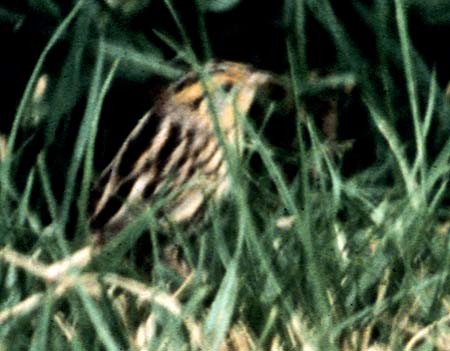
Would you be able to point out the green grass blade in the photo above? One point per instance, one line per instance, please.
(219, 318)
(431, 105)
(5, 170)
(46, 187)
(203, 30)
(79, 151)
(185, 38)
(25, 200)
(144, 62)
(408, 66)
(35, 75)
(395, 145)
(98, 320)
(40, 337)
(303, 224)
(90, 147)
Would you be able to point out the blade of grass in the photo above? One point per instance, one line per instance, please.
(425, 126)
(79, 151)
(300, 38)
(207, 50)
(219, 317)
(47, 188)
(438, 196)
(25, 200)
(5, 178)
(90, 147)
(324, 13)
(98, 321)
(112, 254)
(29, 90)
(40, 336)
(440, 167)
(171, 43)
(405, 45)
(394, 143)
(145, 61)
(184, 37)
(303, 224)
(320, 153)
(67, 85)
(373, 311)
(432, 96)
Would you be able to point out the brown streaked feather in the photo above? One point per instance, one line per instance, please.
(174, 148)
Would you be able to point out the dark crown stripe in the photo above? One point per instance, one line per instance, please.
(138, 144)
(184, 82)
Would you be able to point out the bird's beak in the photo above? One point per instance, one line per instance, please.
(271, 85)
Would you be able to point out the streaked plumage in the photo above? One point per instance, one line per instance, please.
(174, 148)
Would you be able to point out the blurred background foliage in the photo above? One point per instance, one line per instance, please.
(349, 64)
(356, 37)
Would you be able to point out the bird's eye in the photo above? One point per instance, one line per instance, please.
(227, 86)
(196, 103)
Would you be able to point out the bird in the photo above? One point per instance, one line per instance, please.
(177, 148)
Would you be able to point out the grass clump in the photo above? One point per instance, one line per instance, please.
(307, 259)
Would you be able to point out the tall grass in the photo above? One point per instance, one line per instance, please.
(364, 260)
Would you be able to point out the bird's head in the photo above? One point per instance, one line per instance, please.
(221, 90)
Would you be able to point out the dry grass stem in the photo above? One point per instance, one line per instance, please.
(382, 288)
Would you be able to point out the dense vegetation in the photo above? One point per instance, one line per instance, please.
(336, 233)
